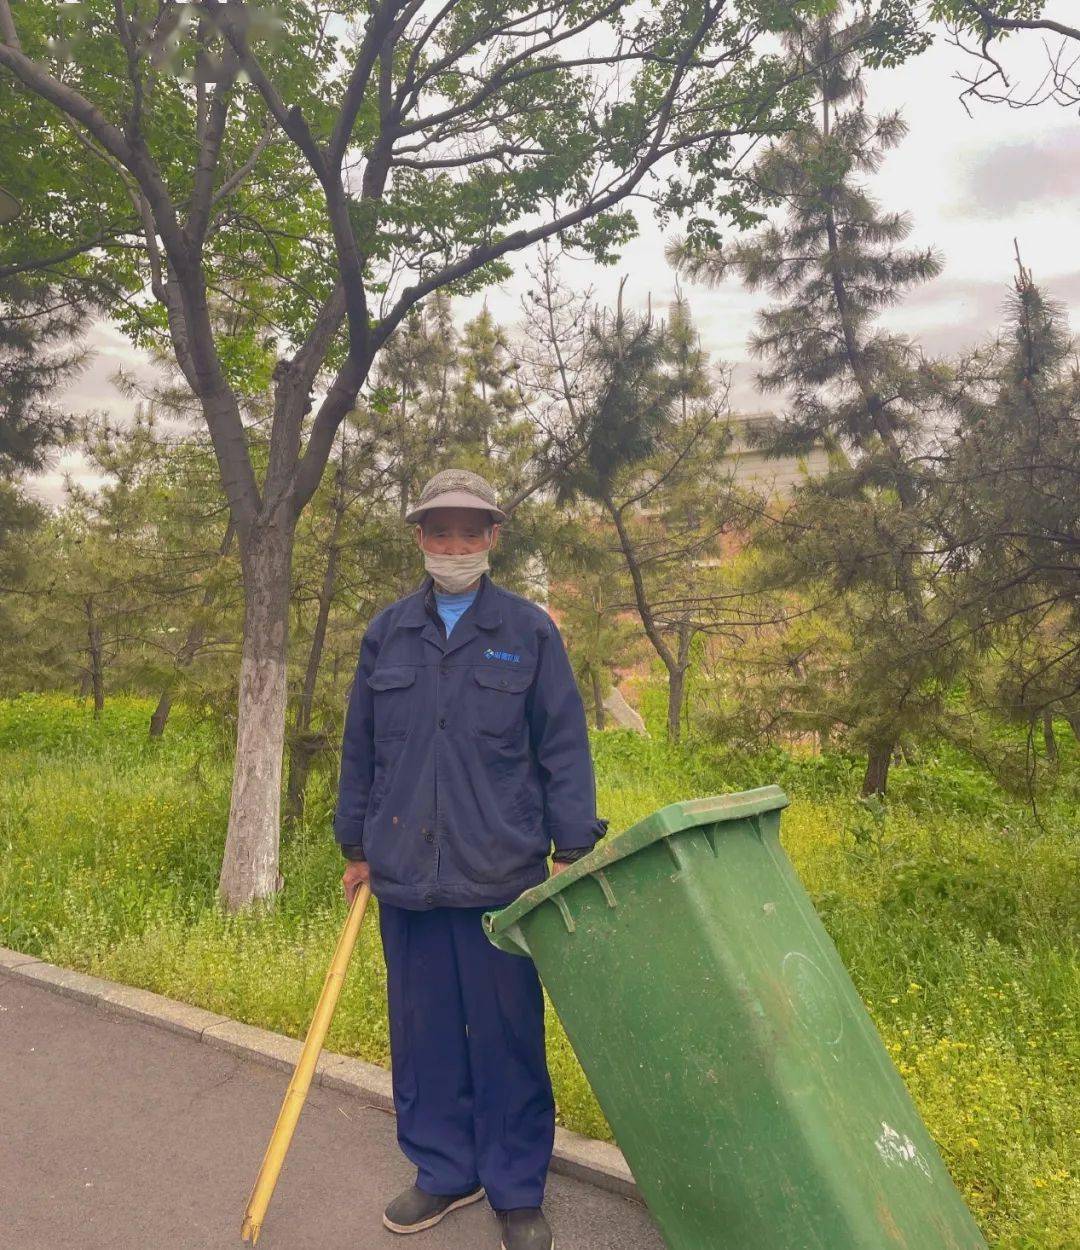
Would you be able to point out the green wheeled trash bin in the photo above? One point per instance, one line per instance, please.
(743, 1078)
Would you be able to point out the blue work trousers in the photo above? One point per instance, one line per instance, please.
(471, 1085)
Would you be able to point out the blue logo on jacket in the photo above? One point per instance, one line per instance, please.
(489, 654)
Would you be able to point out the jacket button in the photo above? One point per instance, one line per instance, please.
(429, 837)
(442, 722)
(443, 671)
(429, 899)
(503, 682)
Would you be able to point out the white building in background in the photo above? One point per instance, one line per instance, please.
(777, 477)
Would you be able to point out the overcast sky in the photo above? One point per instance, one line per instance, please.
(971, 184)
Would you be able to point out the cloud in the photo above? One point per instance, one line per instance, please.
(956, 314)
(1007, 177)
(48, 487)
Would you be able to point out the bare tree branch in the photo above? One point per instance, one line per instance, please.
(206, 166)
(995, 22)
(236, 178)
(65, 98)
(382, 31)
(8, 33)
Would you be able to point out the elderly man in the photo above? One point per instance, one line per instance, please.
(465, 760)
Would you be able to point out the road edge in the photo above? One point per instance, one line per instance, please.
(581, 1158)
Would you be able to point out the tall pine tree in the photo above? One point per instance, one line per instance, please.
(40, 327)
(833, 262)
(1011, 525)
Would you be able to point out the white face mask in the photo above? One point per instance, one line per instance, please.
(456, 573)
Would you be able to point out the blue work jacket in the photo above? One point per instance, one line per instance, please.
(464, 759)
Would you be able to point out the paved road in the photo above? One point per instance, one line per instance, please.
(116, 1135)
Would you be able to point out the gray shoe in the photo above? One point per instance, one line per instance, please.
(525, 1229)
(415, 1210)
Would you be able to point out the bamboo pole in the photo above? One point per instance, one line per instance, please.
(289, 1114)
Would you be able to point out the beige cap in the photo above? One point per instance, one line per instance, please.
(456, 488)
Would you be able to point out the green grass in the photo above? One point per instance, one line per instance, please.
(954, 908)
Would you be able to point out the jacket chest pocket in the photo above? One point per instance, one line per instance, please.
(393, 700)
(498, 698)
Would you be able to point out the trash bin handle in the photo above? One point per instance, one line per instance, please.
(511, 939)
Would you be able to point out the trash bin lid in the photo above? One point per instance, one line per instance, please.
(664, 822)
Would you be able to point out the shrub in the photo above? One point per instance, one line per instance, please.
(954, 908)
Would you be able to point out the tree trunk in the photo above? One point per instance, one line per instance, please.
(1048, 737)
(676, 694)
(675, 665)
(160, 716)
(305, 746)
(877, 769)
(86, 684)
(303, 750)
(1073, 719)
(97, 675)
(249, 868)
(598, 695)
